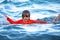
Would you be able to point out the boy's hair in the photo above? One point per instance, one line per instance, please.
(25, 12)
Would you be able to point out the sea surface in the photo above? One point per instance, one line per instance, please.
(45, 10)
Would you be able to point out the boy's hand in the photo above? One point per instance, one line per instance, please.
(5, 15)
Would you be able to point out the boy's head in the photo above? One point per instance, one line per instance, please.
(25, 15)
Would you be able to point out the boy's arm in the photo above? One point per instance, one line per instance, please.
(10, 20)
(41, 22)
(56, 18)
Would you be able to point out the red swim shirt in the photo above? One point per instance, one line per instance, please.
(27, 22)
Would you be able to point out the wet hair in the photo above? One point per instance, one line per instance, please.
(25, 12)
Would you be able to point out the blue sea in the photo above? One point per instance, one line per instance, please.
(45, 10)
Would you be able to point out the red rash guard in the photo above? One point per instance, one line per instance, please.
(27, 22)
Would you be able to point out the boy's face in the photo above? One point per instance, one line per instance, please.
(26, 17)
(59, 15)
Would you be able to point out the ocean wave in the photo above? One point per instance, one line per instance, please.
(22, 31)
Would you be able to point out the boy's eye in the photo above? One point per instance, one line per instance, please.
(26, 16)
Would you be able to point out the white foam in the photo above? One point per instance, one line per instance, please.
(1, 1)
(19, 0)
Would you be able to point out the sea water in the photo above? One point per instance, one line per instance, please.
(45, 10)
